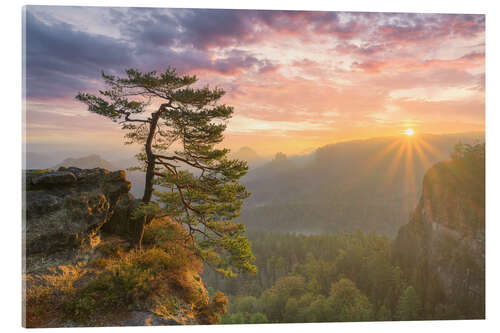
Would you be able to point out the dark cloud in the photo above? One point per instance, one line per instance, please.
(196, 28)
(474, 56)
(204, 29)
(412, 28)
(60, 59)
(466, 25)
(208, 28)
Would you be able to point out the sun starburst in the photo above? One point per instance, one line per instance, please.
(409, 132)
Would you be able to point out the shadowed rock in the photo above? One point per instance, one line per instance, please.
(442, 248)
(65, 207)
(122, 223)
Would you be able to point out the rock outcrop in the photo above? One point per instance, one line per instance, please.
(82, 266)
(442, 248)
(63, 208)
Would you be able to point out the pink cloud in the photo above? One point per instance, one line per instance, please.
(322, 75)
(425, 28)
(468, 61)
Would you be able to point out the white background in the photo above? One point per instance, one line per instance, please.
(10, 175)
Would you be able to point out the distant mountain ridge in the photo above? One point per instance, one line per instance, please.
(371, 184)
(86, 162)
(247, 154)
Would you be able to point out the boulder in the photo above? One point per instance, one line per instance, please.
(57, 178)
(63, 208)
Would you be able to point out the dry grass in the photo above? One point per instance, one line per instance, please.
(163, 278)
(44, 293)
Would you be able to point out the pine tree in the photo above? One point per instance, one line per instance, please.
(179, 138)
(409, 305)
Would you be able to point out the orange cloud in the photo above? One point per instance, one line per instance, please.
(296, 79)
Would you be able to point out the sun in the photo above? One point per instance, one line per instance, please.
(409, 132)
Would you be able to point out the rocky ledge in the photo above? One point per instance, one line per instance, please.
(442, 248)
(83, 267)
(64, 207)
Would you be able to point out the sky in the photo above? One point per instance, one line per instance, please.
(298, 80)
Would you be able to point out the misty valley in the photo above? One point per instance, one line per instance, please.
(377, 229)
(197, 166)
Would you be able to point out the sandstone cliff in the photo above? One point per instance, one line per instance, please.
(442, 248)
(63, 208)
(81, 265)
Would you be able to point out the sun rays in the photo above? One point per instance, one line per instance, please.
(401, 161)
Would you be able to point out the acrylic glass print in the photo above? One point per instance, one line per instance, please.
(200, 166)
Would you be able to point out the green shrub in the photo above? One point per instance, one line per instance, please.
(157, 279)
(46, 293)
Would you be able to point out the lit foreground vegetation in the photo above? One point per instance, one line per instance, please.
(320, 278)
(354, 276)
(325, 278)
(363, 276)
(115, 279)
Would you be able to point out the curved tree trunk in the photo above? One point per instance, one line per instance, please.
(148, 188)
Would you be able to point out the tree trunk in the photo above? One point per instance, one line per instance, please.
(148, 188)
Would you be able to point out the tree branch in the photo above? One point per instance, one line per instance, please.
(177, 158)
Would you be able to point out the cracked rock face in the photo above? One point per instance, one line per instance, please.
(442, 248)
(64, 207)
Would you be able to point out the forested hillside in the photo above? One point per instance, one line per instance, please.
(433, 270)
(442, 248)
(342, 277)
(369, 184)
(343, 265)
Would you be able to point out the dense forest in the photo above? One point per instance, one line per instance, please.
(434, 269)
(336, 277)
